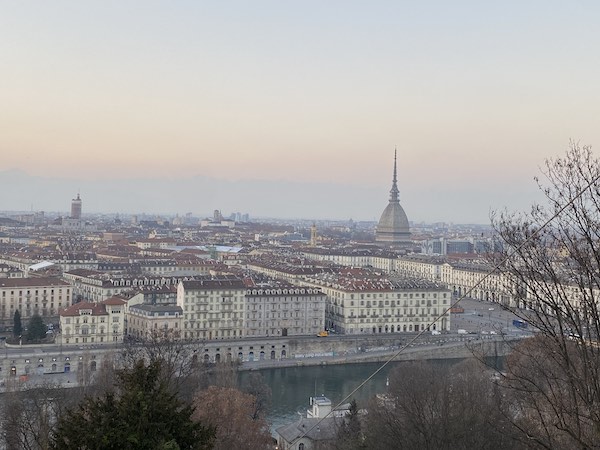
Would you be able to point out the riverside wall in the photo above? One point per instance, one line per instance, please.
(24, 362)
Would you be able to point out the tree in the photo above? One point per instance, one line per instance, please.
(430, 407)
(255, 385)
(350, 436)
(36, 330)
(179, 359)
(143, 413)
(28, 416)
(17, 325)
(230, 412)
(554, 273)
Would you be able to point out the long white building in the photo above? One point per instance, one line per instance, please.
(43, 296)
(371, 305)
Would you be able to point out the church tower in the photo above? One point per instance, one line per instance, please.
(76, 207)
(313, 235)
(393, 228)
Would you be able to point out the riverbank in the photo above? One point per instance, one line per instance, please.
(447, 350)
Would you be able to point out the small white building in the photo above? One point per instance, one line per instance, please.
(320, 426)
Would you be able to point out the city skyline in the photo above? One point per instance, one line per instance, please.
(292, 98)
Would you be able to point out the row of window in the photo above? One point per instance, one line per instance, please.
(12, 293)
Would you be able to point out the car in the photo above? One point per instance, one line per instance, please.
(490, 309)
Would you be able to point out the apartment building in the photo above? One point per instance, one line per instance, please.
(94, 323)
(372, 305)
(154, 321)
(284, 310)
(212, 308)
(43, 296)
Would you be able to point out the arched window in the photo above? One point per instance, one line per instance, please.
(301, 446)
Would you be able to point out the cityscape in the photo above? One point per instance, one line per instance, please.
(315, 226)
(257, 294)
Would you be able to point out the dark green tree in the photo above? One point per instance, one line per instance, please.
(143, 413)
(36, 330)
(17, 325)
(350, 436)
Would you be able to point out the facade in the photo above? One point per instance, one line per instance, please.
(468, 245)
(419, 266)
(212, 308)
(95, 286)
(291, 272)
(144, 321)
(93, 323)
(43, 296)
(393, 228)
(284, 311)
(194, 266)
(378, 305)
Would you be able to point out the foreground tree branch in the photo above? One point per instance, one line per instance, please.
(554, 274)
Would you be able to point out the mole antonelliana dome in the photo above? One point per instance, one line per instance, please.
(393, 228)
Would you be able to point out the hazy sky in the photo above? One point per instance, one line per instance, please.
(475, 95)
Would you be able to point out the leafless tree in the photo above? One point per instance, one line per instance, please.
(256, 386)
(29, 416)
(431, 407)
(552, 256)
(181, 359)
(231, 412)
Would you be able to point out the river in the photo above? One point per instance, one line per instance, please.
(292, 386)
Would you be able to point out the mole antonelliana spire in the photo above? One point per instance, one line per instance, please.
(393, 228)
(394, 191)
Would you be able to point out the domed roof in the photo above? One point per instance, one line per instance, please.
(393, 225)
(393, 219)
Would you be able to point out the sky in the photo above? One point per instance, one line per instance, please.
(474, 95)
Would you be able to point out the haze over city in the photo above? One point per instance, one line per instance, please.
(291, 110)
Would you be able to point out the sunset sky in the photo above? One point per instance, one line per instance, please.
(475, 95)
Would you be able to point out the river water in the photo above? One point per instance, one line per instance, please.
(292, 386)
